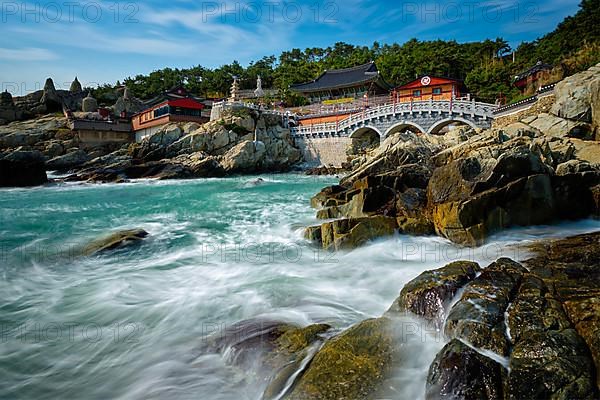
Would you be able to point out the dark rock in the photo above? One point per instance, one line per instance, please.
(461, 373)
(68, 161)
(22, 168)
(478, 317)
(429, 295)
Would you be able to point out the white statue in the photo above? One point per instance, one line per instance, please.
(259, 92)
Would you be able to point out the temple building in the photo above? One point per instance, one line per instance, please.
(175, 105)
(430, 88)
(527, 78)
(344, 85)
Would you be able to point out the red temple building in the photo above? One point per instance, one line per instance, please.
(430, 88)
(175, 105)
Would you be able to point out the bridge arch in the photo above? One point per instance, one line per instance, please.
(365, 131)
(437, 127)
(405, 125)
(365, 139)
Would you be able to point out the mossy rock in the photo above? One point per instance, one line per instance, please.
(430, 293)
(353, 365)
(114, 241)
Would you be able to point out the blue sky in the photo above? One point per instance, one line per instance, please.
(103, 41)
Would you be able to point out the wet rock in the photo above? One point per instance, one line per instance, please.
(352, 365)
(68, 161)
(570, 269)
(293, 348)
(551, 365)
(344, 234)
(461, 373)
(22, 168)
(115, 241)
(478, 317)
(429, 295)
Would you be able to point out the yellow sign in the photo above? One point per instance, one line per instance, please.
(338, 101)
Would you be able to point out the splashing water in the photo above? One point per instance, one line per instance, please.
(130, 324)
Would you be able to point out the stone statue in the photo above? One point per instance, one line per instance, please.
(259, 92)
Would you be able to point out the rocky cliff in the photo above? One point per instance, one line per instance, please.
(471, 183)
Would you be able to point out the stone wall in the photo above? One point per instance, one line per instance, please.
(541, 106)
(90, 139)
(324, 151)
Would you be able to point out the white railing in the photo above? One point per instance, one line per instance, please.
(472, 108)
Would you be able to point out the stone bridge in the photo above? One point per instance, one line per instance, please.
(327, 143)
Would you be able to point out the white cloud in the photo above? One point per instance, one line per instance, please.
(27, 54)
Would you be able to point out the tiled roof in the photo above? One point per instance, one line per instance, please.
(342, 78)
(539, 66)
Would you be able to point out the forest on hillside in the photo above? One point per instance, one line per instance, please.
(487, 67)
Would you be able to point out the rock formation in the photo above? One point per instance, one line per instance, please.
(469, 184)
(191, 150)
(75, 86)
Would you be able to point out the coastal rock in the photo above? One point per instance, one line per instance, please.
(429, 295)
(478, 317)
(68, 161)
(22, 168)
(246, 156)
(345, 234)
(461, 373)
(115, 241)
(352, 365)
(577, 96)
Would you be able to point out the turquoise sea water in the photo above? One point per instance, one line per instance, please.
(130, 324)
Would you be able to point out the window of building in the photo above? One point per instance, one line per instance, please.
(437, 91)
(416, 93)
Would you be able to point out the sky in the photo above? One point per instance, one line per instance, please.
(105, 41)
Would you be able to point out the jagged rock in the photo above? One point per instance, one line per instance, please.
(352, 365)
(246, 156)
(68, 161)
(115, 241)
(75, 86)
(577, 97)
(22, 168)
(552, 125)
(570, 270)
(461, 373)
(478, 317)
(429, 295)
(50, 100)
(345, 234)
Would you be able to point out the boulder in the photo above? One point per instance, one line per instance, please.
(429, 295)
(461, 373)
(478, 317)
(115, 241)
(353, 365)
(68, 161)
(345, 234)
(22, 168)
(577, 96)
(51, 100)
(244, 157)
